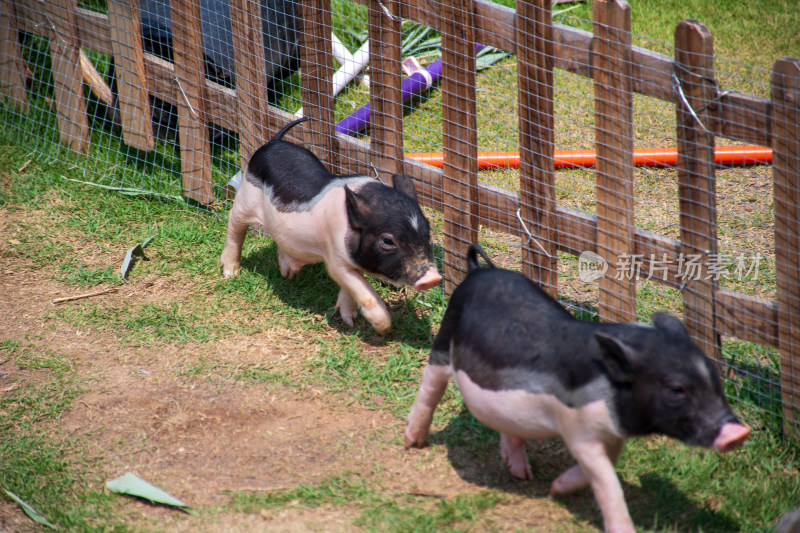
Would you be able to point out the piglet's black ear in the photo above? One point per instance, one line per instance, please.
(358, 208)
(669, 323)
(405, 184)
(616, 357)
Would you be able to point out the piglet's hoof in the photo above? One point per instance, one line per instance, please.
(229, 271)
(347, 308)
(418, 426)
(571, 480)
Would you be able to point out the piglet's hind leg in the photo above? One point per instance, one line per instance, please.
(512, 451)
(431, 390)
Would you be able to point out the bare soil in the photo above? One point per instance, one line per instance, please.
(203, 437)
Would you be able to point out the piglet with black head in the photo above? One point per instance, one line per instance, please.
(352, 223)
(530, 370)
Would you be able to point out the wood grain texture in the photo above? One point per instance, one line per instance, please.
(786, 176)
(460, 138)
(694, 57)
(192, 117)
(613, 104)
(251, 91)
(537, 199)
(12, 67)
(73, 127)
(386, 95)
(316, 73)
(134, 103)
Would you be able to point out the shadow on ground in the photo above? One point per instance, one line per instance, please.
(655, 503)
(312, 290)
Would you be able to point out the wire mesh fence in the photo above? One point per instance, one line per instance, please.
(624, 174)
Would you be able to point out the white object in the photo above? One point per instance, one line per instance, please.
(351, 66)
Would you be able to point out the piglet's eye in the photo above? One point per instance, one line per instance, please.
(387, 243)
(676, 392)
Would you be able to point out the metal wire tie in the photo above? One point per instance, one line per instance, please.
(387, 12)
(530, 235)
(186, 98)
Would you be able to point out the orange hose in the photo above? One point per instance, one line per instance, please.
(651, 157)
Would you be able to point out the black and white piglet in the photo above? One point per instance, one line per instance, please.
(354, 224)
(530, 370)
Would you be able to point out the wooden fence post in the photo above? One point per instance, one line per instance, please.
(537, 199)
(694, 68)
(251, 83)
(786, 177)
(386, 95)
(134, 103)
(65, 51)
(192, 120)
(12, 67)
(316, 50)
(460, 138)
(614, 168)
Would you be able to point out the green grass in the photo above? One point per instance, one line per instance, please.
(377, 510)
(43, 472)
(352, 365)
(81, 233)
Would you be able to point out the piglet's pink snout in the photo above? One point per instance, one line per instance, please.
(428, 280)
(730, 437)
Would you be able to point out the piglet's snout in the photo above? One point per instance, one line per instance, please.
(730, 437)
(428, 280)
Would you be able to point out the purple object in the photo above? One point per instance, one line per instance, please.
(412, 85)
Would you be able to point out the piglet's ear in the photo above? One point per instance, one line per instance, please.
(405, 184)
(669, 323)
(357, 208)
(616, 357)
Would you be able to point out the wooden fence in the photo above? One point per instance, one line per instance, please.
(606, 55)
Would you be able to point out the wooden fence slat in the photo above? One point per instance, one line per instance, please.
(460, 138)
(536, 121)
(251, 91)
(192, 118)
(614, 170)
(12, 67)
(694, 59)
(786, 176)
(65, 53)
(134, 103)
(317, 71)
(386, 95)
(746, 317)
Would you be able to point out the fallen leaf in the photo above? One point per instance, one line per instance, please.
(30, 511)
(136, 251)
(132, 485)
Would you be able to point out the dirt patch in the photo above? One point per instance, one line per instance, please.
(203, 436)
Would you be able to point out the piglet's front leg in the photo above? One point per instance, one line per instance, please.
(431, 390)
(599, 470)
(247, 210)
(364, 296)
